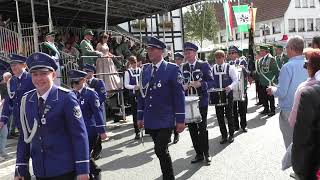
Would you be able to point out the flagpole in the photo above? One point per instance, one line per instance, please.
(241, 33)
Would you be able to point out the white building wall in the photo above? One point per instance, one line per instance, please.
(174, 40)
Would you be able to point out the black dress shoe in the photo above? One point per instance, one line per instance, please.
(258, 103)
(236, 128)
(265, 111)
(176, 139)
(231, 139)
(207, 159)
(223, 141)
(271, 114)
(197, 159)
(244, 130)
(137, 137)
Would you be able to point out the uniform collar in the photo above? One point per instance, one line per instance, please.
(194, 63)
(158, 64)
(45, 95)
(82, 88)
(20, 76)
(90, 80)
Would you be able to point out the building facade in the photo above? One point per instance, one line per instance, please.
(167, 27)
(277, 18)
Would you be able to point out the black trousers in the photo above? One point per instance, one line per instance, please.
(226, 110)
(161, 138)
(258, 90)
(94, 170)
(133, 103)
(199, 133)
(67, 176)
(266, 99)
(240, 108)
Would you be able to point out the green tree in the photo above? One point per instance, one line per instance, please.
(200, 22)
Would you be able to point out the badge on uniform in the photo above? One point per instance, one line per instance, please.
(82, 102)
(97, 103)
(159, 84)
(77, 112)
(180, 78)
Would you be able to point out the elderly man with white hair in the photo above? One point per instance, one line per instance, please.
(291, 75)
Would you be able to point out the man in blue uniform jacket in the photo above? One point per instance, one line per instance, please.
(54, 133)
(19, 84)
(92, 114)
(197, 74)
(99, 86)
(161, 103)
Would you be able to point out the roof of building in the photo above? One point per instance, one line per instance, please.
(266, 10)
(89, 13)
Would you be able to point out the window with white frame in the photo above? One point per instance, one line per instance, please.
(312, 4)
(301, 25)
(246, 35)
(318, 24)
(310, 26)
(276, 27)
(297, 3)
(164, 17)
(222, 37)
(305, 3)
(292, 25)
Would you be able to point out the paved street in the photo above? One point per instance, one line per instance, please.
(255, 155)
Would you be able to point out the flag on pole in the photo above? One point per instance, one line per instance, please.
(253, 13)
(228, 18)
(242, 16)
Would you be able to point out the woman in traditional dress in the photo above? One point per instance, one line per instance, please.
(105, 65)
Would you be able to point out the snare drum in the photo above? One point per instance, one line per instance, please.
(218, 97)
(192, 109)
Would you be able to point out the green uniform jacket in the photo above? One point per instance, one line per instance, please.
(48, 49)
(87, 50)
(281, 60)
(267, 68)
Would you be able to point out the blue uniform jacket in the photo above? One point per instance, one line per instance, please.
(163, 105)
(60, 145)
(92, 114)
(99, 86)
(17, 89)
(201, 72)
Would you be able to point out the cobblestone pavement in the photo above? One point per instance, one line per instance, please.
(255, 155)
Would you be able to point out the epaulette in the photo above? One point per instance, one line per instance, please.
(64, 89)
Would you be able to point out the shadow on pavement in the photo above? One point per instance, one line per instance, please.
(127, 162)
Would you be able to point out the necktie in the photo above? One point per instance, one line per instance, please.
(41, 106)
(78, 94)
(220, 68)
(191, 68)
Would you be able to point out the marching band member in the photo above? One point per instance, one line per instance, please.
(99, 86)
(54, 133)
(225, 77)
(199, 75)
(268, 71)
(91, 112)
(131, 78)
(240, 106)
(161, 103)
(19, 84)
(178, 58)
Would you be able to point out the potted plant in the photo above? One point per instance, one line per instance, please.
(166, 24)
(139, 24)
